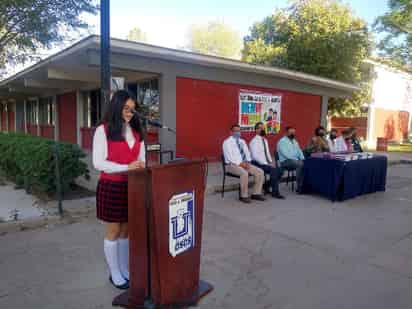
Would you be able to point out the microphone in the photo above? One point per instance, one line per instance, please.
(154, 123)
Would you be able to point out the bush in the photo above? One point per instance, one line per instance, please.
(29, 161)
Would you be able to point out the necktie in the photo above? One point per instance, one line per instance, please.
(242, 153)
(266, 151)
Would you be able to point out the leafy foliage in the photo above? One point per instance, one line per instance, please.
(397, 24)
(27, 25)
(136, 34)
(216, 39)
(320, 37)
(30, 162)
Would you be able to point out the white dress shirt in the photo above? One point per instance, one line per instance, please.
(100, 151)
(332, 144)
(231, 151)
(340, 145)
(257, 150)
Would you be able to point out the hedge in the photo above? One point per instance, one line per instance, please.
(29, 161)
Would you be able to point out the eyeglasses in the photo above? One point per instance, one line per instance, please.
(129, 110)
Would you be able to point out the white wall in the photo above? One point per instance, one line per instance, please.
(392, 89)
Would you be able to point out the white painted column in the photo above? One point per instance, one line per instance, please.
(370, 132)
(7, 116)
(56, 118)
(15, 115)
(324, 112)
(38, 116)
(25, 116)
(79, 116)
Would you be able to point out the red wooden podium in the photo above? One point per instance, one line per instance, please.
(165, 236)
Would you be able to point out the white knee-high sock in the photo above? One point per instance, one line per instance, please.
(124, 257)
(112, 259)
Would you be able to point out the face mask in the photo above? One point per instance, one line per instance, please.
(332, 137)
(262, 133)
(291, 136)
(322, 134)
(236, 135)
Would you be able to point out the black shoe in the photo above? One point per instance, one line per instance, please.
(123, 286)
(278, 196)
(245, 200)
(258, 197)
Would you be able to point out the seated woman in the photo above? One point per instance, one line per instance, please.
(355, 141)
(318, 143)
(343, 143)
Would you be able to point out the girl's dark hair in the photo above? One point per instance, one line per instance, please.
(113, 117)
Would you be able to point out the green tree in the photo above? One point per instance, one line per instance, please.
(136, 34)
(29, 25)
(215, 39)
(397, 26)
(320, 37)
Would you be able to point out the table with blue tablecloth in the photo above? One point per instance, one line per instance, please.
(341, 180)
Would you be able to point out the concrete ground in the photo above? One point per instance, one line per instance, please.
(304, 252)
(17, 204)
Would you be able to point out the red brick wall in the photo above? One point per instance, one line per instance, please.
(47, 131)
(12, 127)
(205, 111)
(3, 115)
(86, 135)
(32, 129)
(391, 124)
(342, 123)
(67, 117)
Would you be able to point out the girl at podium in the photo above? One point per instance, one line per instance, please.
(118, 146)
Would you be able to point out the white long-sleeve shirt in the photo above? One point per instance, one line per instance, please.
(332, 144)
(257, 150)
(231, 151)
(340, 145)
(100, 151)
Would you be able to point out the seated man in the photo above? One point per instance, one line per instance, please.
(355, 141)
(332, 140)
(318, 143)
(238, 160)
(343, 143)
(290, 155)
(261, 158)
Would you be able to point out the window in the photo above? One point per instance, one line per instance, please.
(31, 112)
(46, 111)
(147, 95)
(92, 110)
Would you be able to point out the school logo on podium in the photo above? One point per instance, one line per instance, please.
(181, 223)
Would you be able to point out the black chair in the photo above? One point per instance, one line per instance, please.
(227, 174)
(157, 148)
(291, 176)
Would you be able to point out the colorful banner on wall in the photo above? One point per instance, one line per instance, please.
(259, 107)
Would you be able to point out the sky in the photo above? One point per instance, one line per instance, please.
(166, 22)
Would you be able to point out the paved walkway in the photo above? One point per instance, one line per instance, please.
(302, 253)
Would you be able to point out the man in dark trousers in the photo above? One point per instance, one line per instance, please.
(262, 158)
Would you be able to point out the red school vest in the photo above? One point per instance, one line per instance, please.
(120, 152)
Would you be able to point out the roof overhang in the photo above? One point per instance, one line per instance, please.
(72, 66)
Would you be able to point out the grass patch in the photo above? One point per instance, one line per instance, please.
(400, 148)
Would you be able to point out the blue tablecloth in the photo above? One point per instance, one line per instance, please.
(339, 180)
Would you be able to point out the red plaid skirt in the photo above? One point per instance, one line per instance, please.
(111, 201)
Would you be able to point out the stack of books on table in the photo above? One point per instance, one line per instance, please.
(344, 156)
